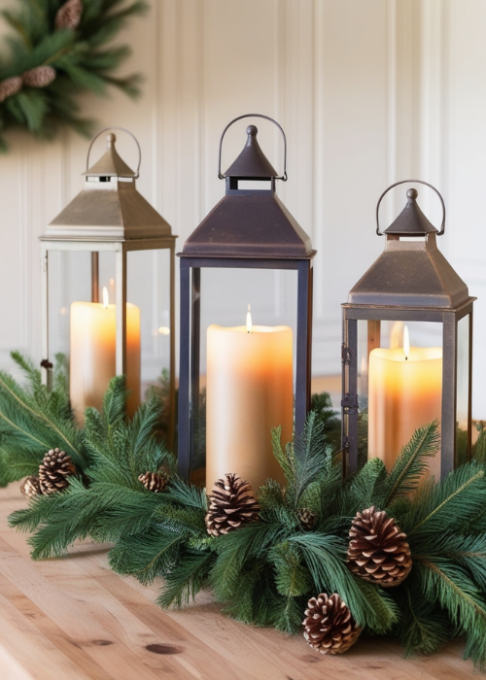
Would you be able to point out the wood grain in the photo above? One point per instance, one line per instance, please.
(74, 619)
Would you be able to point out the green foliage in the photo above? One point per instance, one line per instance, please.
(264, 572)
(33, 420)
(80, 57)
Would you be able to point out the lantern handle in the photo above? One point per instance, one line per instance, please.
(254, 115)
(115, 127)
(411, 181)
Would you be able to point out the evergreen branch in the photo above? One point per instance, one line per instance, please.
(476, 477)
(411, 463)
(37, 414)
(23, 431)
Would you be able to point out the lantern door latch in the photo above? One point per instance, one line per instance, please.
(349, 402)
(346, 355)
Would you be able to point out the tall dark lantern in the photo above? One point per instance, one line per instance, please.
(389, 389)
(252, 229)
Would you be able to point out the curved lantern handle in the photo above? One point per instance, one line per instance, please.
(254, 115)
(408, 181)
(115, 127)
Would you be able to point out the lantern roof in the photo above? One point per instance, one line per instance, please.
(109, 208)
(249, 223)
(410, 273)
(411, 221)
(111, 164)
(252, 162)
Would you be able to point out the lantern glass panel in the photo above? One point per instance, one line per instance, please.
(69, 281)
(148, 287)
(225, 296)
(399, 388)
(463, 390)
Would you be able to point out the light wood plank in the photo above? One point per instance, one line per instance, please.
(74, 618)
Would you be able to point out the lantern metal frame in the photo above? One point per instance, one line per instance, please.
(222, 241)
(82, 227)
(373, 299)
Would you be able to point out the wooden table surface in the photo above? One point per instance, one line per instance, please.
(74, 619)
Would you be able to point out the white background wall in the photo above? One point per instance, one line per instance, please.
(367, 92)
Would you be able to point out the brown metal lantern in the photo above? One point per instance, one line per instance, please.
(101, 227)
(249, 228)
(410, 283)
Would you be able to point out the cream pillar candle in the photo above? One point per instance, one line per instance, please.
(92, 361)
(249, 392)
(405, 387)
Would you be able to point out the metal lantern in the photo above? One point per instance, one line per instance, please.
(103, 225)
(249, 228)
(410, 296)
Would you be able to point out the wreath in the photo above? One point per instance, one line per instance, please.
(57, 50)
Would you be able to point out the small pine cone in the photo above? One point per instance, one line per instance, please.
(9, 87)
(329, 625)
(308, 519)
(30, 487)
(69, 15)
(232, 504)
(154, 481)
(378, 551)
(55, 470)
(40, 76)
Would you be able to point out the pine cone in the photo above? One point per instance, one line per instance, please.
(54, 471)
(40, 76)
(232, 504)
(308, 519)
(30, 487)
(69, 15)
(154, 481)
(329, 625)
(378, 551)
(9, 87)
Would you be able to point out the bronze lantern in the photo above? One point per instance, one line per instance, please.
(407, 347)
(98, 238)
(250, 228)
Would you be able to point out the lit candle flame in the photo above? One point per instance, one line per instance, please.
(106, 299)
(406, 343)
(249, 323)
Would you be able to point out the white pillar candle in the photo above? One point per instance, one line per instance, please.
(249, 392)
(405, 392)
(92, 360)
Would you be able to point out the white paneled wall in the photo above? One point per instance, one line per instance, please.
(367, 92)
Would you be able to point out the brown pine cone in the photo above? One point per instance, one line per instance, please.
(329, 625)
(40, 76)
(55, 470)
(378, 551)
(69, 15)
(154, 481)
(30, 487)
(9, 87)
(232, 504)
(308, 519)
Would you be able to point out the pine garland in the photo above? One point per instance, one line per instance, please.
(264, 572)
(58, 49)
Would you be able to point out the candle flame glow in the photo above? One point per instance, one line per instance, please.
(249, 323)
(406, 343)
(106, 299)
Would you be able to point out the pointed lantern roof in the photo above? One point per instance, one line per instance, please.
(109, 208)
(249, 223)
(410, 273)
